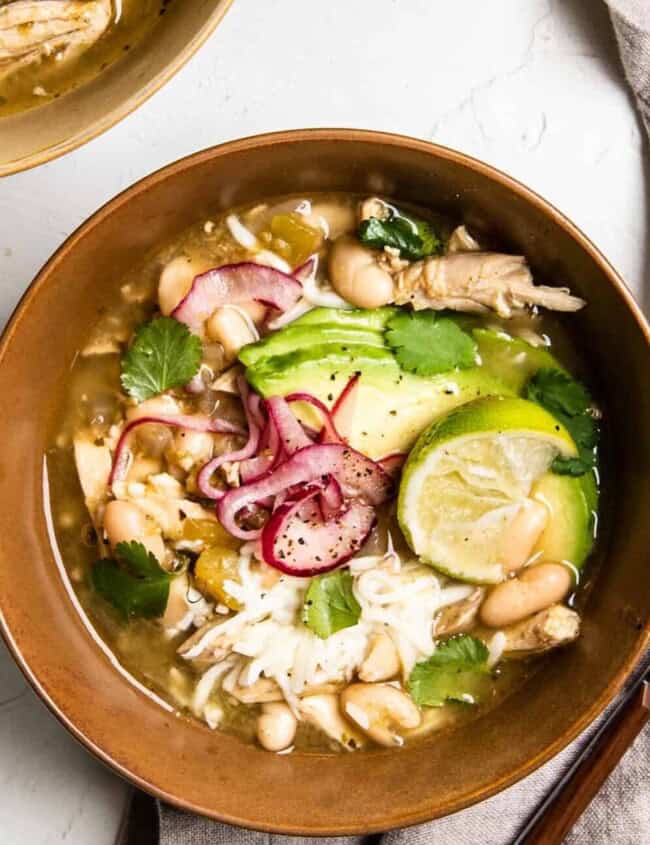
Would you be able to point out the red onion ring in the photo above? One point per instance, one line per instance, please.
(328, 433)
(251, 409)
(233, 284)
(292, 434)
(358, 476)
(306, 270)
(331, 499)
(299, 541)
(192, 423)
(344, 408)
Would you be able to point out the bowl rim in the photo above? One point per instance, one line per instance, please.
(345, 135)
(132, 103)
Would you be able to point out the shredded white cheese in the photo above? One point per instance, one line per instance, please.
(267, 638)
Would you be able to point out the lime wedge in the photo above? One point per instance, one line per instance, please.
(467, 477)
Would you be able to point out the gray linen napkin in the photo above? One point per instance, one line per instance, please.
(631, 19)
(621, 813)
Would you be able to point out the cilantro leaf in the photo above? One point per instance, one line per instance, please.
(164, 354)
(557, 391)
(414, 238)
(456, 671)
(330, 604)
(570, 403)
(134, 583)
(427, 343)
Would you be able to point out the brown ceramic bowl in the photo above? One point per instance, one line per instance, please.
(43, 133)
(183, 762)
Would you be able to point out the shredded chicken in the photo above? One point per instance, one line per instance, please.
(556, 626)
(31, 30)
(208, 653)
(459, 616)
(466, 278)
(478, 282)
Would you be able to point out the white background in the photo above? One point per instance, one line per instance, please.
(531, 86)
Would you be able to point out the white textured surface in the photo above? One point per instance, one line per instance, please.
(532, 87)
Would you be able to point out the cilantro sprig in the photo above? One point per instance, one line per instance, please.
(570, 403)
(456, 671)
(330, 604)
(133, 582)
(428, 343)
(414, 238)
(163, 354)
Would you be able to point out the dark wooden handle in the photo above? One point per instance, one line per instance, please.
(577, 793)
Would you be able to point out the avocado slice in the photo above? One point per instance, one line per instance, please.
(394, 407)
(573, 505)
(512, 359)
(357, 318)
(301, 337)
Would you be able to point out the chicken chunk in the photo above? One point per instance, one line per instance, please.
(478, 282)
(555, 626)
(93, 468)
(203, 654)
(31, 30)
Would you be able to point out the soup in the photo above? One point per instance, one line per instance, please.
(326, 477)
(49, 47)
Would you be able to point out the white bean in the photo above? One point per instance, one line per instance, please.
(534, 589)
(378, 709)
(255, 310)
(333, 218)
(356, 275)
(521, 535)
(322, 711)
(175, 281)
(230, 329)
(125, 522)
(276, 726)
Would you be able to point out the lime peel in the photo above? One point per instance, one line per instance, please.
(468, 475)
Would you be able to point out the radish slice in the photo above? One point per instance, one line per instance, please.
(292, 434)
(328, 433)
(357, 475)
(298, 541)
(251, 408)
(233, 284)
(192, 423)
(345, 407)
(392, 463)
